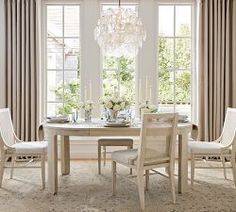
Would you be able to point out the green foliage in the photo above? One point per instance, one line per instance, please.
(167, 68)
(70, 95)
(119, 75)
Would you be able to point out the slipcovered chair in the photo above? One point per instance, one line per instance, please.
(224, 147)
(156, 149)
(11, 146)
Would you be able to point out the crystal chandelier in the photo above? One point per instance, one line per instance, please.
(120, 32)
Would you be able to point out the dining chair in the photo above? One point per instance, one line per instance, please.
(224, 147)
(12, 147)
(156, 149)
(103, 142)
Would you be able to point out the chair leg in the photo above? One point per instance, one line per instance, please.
(104, 155)
(172, 181)
(147, 180)
(223, 164)
(130, 170)
(2, 163)
(233, 168)
(43, 170)
(141, 189)
(192, 168)
(99, 159)
(12, 166)
(113, 177)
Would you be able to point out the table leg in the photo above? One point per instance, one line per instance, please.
(183, 163)
(65, 155)
(52, 164)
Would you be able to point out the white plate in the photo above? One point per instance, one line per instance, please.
(116, 124)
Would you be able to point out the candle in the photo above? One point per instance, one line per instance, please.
(146, 90)
(90, 89)
(140, 91)
(150, 93)
(85, 93)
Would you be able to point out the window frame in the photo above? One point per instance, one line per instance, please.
(193, 70)
(43, 50)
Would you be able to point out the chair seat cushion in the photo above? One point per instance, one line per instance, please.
(128, 156)
(205, 147)
(34, 147)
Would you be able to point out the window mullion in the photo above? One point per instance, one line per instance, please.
(174, 58)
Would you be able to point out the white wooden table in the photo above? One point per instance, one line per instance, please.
(97, 129)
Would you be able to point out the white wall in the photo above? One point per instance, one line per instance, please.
(2, 55)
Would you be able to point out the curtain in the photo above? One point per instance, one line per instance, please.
(21, 68)
(217, 70)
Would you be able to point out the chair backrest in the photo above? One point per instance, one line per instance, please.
(158, 139)
(6, 128)
(229, 129)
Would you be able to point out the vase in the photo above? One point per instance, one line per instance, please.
(75, 116)
(88, 115)
(113, 115)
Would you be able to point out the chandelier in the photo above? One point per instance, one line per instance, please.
(120, 32)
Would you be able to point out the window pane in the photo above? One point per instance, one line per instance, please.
(183, 53)
(127, 85)
(183, 87)
(166, 53)
(166, 87)
(72, 54)
(71, 91)
(54, 109)
(183, 20)
(54, 21)
(110, 63)
(55, 86)
(166, 21)
(72, 19)
(54, 53)
(63, 59)
(110, 82)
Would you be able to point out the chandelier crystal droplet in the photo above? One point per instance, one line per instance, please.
(120, 32)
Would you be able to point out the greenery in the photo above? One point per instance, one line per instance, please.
(180, 70)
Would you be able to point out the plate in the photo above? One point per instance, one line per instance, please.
(117, 124)
(57, 121)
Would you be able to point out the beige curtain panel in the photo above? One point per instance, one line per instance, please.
(21, 69)
(217, 87)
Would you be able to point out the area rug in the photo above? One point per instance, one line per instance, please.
(86, 191)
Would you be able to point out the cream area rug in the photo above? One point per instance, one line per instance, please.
(84, 191)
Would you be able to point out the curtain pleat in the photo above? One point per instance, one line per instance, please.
(216, 73)
(21, 69)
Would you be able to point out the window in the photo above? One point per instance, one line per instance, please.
(119, 72)
(175, 58)
(62, 58)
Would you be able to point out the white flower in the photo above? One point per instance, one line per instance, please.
(117, 107)
(108, 105)
(115, 100)
(122, 105)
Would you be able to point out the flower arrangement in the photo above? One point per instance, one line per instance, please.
(88, 107)
(115, 103)
(147, 108)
